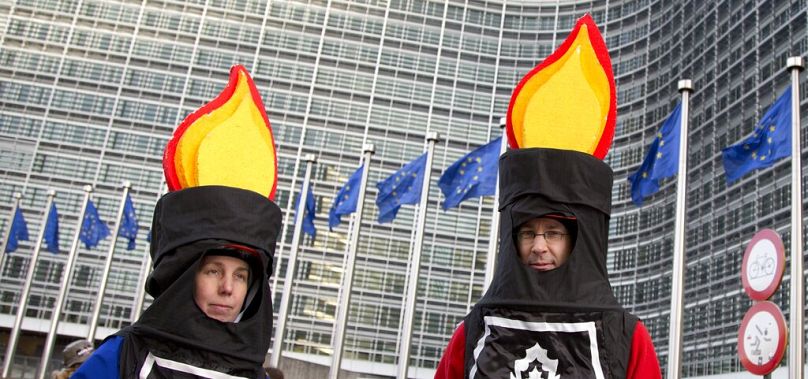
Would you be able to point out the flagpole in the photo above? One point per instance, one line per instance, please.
(66, 274)
(796, 355)
(493, 239)
(678, 270)
(107, 265)
(17, 199)
(338, 337)
(26, 288)
(145, 270)
(140, 298)
(291, 265)
(415, 259)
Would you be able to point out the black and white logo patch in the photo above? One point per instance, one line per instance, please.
(158, 368)
(516, 349)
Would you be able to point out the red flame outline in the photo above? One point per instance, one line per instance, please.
(168, 156)
(602, 53)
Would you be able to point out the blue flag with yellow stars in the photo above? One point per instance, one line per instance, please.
(309, 212)
(18, 231)
(770, 142)
(346, 199)
(473, 175)
(93, 230)
(662, 160)
(51, 234)
(129, 227)
(403, 187)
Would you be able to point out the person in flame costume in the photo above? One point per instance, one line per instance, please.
(549, 311)
(212, 241)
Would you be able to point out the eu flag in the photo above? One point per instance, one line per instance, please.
(346, 199)
(93, 230)
(473, 175)
(770, 142)
(129, 227)
(662, 160)
(308, 213)
(18, 231)
(403, 187)
(51, 234)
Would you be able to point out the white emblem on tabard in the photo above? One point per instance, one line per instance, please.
(587, 327)
(535, 354)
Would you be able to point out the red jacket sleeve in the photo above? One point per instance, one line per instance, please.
(643, 362)
(453, 359)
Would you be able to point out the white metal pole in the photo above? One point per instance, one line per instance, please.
(67, 273)
(340, 323)
(796, 354)
(140, 298)
(26, 290)
(678, 270)
(415, 259)
(4, 243)
(107, 266)
(493, 238)
(291, 265)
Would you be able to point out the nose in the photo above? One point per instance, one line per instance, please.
(539, 244)
(226, 285)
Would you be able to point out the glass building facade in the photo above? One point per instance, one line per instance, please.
(91, 90)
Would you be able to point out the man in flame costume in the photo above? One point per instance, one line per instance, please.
(212, 241)
(549, 311)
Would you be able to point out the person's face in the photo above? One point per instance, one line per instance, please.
(220, 287)
(537, 250)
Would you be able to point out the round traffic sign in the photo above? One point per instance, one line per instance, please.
(763, 263)
(762, 338)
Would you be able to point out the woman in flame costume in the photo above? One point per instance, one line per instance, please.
(213, 238)
(563, 322)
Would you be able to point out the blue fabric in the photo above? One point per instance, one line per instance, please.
(18, 231)
(308, 213)
(51, 234)
(402, 187)
(346, 199)
(103, 364)
(473, 175)
(770, 142)
(93, 229)
(662, 160)
(129, 227)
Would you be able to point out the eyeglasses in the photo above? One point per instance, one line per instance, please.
(527, 237)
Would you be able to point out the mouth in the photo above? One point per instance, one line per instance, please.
(542, 266)
(220, 307)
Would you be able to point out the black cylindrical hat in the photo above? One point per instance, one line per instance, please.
(214, 212)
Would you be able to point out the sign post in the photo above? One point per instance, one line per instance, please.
(763, 334)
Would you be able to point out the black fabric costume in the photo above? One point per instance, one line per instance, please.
(536, 182)
(187, 225)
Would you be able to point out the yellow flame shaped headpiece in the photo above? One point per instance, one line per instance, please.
(227, 142)
(568, 101)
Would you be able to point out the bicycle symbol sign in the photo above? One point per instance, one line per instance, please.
(763, 264)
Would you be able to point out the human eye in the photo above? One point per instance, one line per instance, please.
(526, 235)
(241, 276)
(553, 235)
(210, 270)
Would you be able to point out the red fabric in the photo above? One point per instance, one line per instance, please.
(642, 364)
(451, 363)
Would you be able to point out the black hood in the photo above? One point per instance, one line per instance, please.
(536, 182)
(187, 225)
(521, 304)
